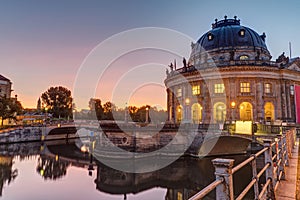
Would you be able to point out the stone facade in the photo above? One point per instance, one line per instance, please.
(232, 77)
(5, 87)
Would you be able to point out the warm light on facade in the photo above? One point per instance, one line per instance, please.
(232, 104)
(187, 101)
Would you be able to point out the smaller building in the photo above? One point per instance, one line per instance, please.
(5, 87)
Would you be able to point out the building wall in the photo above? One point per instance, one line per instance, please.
(5, 88)
(280, 80)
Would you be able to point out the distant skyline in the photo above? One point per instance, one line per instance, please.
(44, 43)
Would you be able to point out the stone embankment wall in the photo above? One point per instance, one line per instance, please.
(21, 135)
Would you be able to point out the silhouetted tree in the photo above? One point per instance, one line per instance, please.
(51, 168)
(58, 100)
(96, 108)
(108, 109)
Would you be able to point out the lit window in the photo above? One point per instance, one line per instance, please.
(219, 88)
(242, 32)
(179, 92)
(245, 87)
(196, 89)
(268, 88)
(210, 36)
(244, 57)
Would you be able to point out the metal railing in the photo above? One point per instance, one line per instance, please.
(274, 170)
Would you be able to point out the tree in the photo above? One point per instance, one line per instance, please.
(108, 109)
(9, 108)
(96, 108)
(58, 100)
(39, 105)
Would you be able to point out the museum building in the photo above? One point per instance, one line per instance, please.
(230, 76)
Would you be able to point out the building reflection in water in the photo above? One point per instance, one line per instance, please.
(182, 178)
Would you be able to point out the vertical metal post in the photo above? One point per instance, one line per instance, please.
(254, 175)
(281, 167)
(269, 170)
(285, 150)
(223, 169)
(288, 143)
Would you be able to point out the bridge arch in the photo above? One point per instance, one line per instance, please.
(224, 145)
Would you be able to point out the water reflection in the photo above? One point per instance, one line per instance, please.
(7, 173)
(181, 179)
(51, 168)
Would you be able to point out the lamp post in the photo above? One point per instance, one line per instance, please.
(147, 115)
(232, 104)
(126, 113)
(187, 113)
(45, 129)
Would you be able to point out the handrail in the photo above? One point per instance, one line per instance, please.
(207, 189)
(264, 189)
(274, 167)
(239, 166)
(245, 191)
(263, 170)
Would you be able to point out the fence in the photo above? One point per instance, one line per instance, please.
(274, 170)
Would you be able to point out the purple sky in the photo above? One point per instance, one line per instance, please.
(44, 43)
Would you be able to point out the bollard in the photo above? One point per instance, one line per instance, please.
(223, 169)
(269, 170)
(281, 167)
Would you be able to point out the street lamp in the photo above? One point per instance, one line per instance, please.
(187, 101)
(232, 104)
(147, 114)
(187, 114)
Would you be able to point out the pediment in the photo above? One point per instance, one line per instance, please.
(294, 66)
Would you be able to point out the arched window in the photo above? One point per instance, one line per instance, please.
(196, 113)
(244, 57)
(219, 112)
(269, 111)
(210, 36)
(179, 114)
(242, 32)
(246, 113)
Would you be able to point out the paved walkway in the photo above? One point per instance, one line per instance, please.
(287, 188)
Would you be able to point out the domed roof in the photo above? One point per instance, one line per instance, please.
(229, 34)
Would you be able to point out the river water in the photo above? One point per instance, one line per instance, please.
(64, 172)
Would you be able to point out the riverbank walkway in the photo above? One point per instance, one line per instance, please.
(287, 189)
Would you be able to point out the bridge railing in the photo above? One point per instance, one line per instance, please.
(274, 170)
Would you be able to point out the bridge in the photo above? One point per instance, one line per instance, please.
(197, 140)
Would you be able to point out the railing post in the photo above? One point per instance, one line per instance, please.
(254, 176)
(269, 170)
(281, 167)
(285, 149)
(223, 169)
